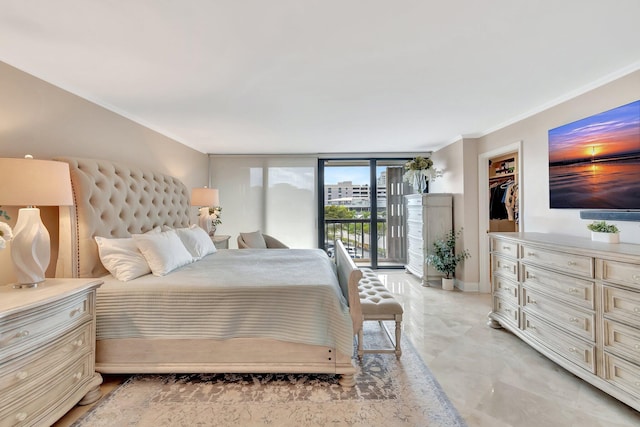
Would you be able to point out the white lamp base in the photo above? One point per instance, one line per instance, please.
(30, 248)
(204, 219)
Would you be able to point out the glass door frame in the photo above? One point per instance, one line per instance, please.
(373, 195)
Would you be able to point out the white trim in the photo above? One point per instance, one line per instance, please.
(483, 207)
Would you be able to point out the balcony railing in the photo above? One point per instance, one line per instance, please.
(356, 236)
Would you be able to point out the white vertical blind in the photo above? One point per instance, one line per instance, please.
(273, 194)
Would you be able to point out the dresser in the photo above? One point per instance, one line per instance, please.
(575, 301)
(429, 217)
(47, 350)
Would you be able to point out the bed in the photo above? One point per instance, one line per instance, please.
(233, 311)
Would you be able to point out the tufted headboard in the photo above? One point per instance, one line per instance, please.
(114, 200)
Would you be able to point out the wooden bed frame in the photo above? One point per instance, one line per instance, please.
(114, 200)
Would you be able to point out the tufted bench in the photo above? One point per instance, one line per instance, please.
(378, 304)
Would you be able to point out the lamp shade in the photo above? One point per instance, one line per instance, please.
(204, 197)
(30, 182)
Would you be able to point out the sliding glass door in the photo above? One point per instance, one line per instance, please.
(361, 203)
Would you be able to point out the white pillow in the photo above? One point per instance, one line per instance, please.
(163, 251)
(122, 258)
(197, 241)
(254, 240)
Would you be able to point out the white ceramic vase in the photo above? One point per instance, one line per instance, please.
(605, 237)
(447, 284)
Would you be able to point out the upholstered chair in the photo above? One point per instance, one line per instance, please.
(257, 240)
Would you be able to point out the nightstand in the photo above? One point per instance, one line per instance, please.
(47, 350)
(221, 241)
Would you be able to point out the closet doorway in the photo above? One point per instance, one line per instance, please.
(500, 202)
(504, 212)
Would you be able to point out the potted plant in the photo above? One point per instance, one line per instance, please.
(603, 232)
(444, 258)
(419, 171)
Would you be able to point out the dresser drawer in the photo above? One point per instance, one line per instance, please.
(564, 316)
(570, 289)
(415, 244)
(622, 374)
(32, 327)
(621, 272)
(579, 352)
(569, 263)
(35, 368)
(622, 340)
(622, 305)
(504, 247)
(30, 408)
(414, 229)
(504, 267)
(507, 312)
(506, 288)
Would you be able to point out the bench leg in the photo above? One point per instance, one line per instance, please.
(360, 339)
(398, 335)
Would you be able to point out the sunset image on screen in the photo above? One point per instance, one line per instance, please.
(594, 163)
(606, 135)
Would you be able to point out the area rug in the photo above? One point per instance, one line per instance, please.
(389, 392)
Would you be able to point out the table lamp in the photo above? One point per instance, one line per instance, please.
(205, 198)
(28, 182)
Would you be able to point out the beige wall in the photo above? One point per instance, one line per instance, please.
(460, 171)
(535, 177)
(43, 120)
(460, 162)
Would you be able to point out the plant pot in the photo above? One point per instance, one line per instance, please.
(447, 284)
(605, 237)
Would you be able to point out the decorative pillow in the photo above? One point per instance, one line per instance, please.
(254, 240)
(122, 258)
(163, 251)
(197, 241)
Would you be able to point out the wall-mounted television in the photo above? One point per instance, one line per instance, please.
(594, 163)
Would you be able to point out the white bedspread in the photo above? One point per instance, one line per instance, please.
(291, 295)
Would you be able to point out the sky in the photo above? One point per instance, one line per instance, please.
(616, 131)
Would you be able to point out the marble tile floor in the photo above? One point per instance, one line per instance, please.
(491, 376)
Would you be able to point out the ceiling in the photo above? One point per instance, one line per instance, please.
(322, 76)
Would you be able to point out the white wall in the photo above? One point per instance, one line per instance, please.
(538, 217)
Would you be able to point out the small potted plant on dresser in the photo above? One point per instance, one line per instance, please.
(603, 232)
(444, 258)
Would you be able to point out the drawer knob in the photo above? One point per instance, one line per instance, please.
(22, 375)
(636, 309)
(573, 290)
(573, 350)
(532, 327)
(532, 301)
(74, 312)
(531, 254)
(77, 376)
(21, 416)
(574, 320)
(571, 263)
(637, 346)
(22, 334)
(636, 277)
(508, 310)
(507, 288)
(532, 276)
(78, 343)
(506, 248)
